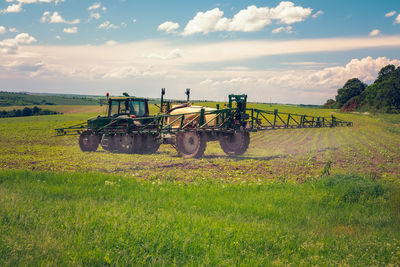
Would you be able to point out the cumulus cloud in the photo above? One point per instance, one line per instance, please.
(366, 69)
(251, 19)
(95, 15)
(56, 18)
(2, 30)
(317, 14)
(287, 29)
(167, 26)
(107, 25)
(374, 32)
(12, 30)
(156, 62)
(71, 30)
(15, 8)
(309, 86)
(33, 1)
(397, 20)
(287, 13)
(94, 6)
(10, 46)
(390, 14)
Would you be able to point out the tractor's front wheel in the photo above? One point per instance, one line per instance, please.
(191, 144)
(88, 141)
(234, 144)
(125, 143)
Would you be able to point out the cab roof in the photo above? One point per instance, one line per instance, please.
(122, 98)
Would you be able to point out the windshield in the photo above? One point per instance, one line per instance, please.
(137, 108)
(129, 107)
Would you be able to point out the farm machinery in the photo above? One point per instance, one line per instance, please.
(128, 127)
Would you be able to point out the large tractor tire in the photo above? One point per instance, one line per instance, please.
(234, 144)
(191, 144)
(88, 142)
(150, 144)
(108, 142)
(125, 143)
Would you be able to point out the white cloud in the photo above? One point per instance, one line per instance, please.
(167, 26)
(58, 37)
(107, 25)
(2, 30)
(31, 1)
(309, 86)
(134, 20)
(397, 20)
(176, 65)
(366, 69)
(204, 22)
(56, 18)
(111, 42)
(374, 32)
(246, 20)
(390, 14)
(104, 9)
(14, 8)
(317, 14)
(10, 46)
(71, 30)
(175, 53)
(12, 30)
(287, 13)
(95, 15)
(94, 6)
(287, 29)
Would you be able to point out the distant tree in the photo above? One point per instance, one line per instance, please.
(35, 110)
(330, 103)
(352, 88)
(27, 112)
(4, 113)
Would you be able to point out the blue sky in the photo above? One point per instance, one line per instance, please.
(290, 51)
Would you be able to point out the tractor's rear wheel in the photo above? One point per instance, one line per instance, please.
(191, 144)
(88, 141)
(234, 144)
(108, 142)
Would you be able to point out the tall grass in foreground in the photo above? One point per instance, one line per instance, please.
(98, 219)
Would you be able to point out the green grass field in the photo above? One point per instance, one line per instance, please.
(98, 219)
(271, 206)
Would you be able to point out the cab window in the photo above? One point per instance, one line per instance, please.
(137, 108)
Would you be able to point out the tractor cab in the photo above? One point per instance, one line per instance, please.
(130, 106)
(238, 102)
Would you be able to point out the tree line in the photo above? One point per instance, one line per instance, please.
(381, 96)
(35, 111)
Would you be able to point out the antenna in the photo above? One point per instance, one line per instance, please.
(162, 98)
(187, 92)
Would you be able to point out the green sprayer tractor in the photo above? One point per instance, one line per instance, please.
(127, 126)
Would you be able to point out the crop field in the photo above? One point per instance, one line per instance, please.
(370, 148)
(323, 196)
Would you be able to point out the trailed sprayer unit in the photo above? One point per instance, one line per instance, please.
(127, 126)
